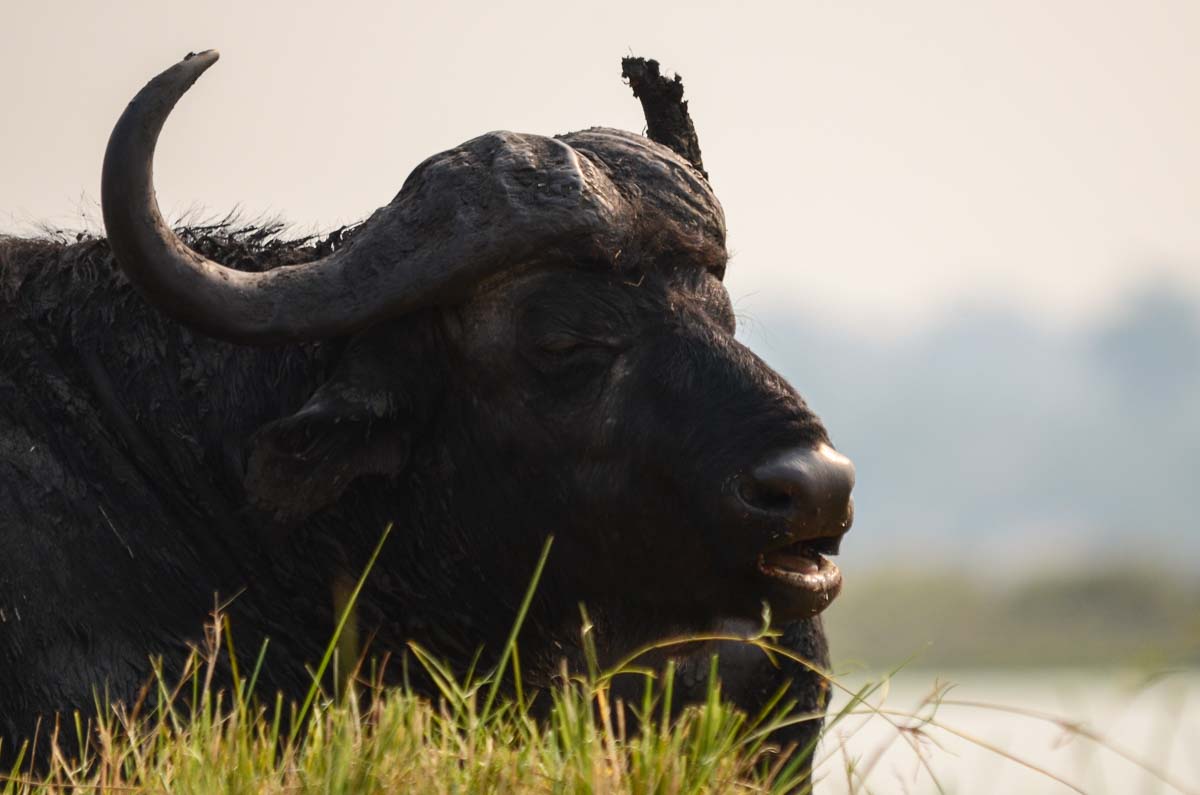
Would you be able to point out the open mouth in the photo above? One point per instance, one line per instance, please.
(809, 579)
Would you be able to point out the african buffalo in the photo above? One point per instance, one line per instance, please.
(532, 338)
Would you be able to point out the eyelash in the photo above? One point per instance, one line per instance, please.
(563, 346)
(566, 344)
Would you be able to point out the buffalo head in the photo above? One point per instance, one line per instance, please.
(537, 341)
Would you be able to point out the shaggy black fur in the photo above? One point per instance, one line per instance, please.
(144, 469)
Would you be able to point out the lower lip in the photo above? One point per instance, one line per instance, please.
(805, 592)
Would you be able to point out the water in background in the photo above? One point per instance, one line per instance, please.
(1155, 722)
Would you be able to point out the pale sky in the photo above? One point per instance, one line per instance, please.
(879, 162)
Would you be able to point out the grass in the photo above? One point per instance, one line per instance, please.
(400, 743)
(350, 734)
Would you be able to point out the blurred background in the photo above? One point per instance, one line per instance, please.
(968, 232)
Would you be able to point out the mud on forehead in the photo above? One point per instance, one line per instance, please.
(655, 177)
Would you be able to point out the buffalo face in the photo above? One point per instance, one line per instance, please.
(679, 473)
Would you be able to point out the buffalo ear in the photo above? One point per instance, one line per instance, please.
(357, 423)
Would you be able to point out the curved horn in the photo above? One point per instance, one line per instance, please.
(462, 215)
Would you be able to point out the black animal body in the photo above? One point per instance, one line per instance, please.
(533, 338)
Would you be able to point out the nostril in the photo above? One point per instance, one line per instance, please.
(808, 487)
(764, 495)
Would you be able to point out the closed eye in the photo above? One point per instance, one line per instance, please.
(563, 343)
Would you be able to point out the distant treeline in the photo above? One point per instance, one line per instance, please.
(1114, 617)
